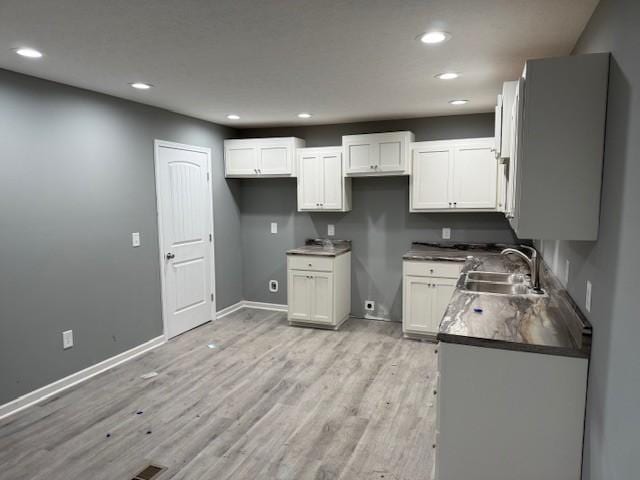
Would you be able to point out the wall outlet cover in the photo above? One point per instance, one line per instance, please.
(331, 230)
(446, 233)
(369, 305)
(67, 339)
(273, 286)
(274, 227)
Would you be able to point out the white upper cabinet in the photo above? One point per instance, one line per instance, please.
(261, 157)
(555, 169)
(503, 120)
(454, 175)
(377, 154)
(321, 184)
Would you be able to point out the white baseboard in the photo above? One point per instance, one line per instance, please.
(230, 309)
(276, 307)
(58, 386)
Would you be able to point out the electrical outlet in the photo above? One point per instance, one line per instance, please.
(446, 233)
(587, 301)
(369, 305)
(331, 230)
(135, 239)
(273, 286)
(274, 227)
(67, 339)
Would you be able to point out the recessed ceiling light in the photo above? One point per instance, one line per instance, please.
(458, 102)
(28, 52)
(304, 115)
(141, 86)
(447, 75)
(233, 116)
(434, 37)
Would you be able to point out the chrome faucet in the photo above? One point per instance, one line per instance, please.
(533, 262)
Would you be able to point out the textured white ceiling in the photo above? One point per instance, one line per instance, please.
(267, 60)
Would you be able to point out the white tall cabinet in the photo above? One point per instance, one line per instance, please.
(427, 288)
(377, 154)
(454, 175)
(261, 157)
(321, 183)
(319, 290)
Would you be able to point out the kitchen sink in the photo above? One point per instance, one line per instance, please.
(499, 288)
(496, 277)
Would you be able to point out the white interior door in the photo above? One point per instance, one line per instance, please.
(185, 222)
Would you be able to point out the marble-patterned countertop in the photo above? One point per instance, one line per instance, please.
(549, 323)
(321, 247)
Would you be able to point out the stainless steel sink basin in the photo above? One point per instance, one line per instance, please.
(499, 288)
(496, 277)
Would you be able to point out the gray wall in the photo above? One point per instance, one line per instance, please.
(379, 225)
(77, 178)
(612, 263)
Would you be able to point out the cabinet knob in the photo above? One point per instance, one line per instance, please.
(455, 204)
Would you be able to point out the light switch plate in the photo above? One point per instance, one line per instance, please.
(274, 227)
(135, 239)
(446, 233)
(331, 230)
(587, 301)
(67, 339)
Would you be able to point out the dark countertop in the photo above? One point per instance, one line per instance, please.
(550, 324)
(323, 248)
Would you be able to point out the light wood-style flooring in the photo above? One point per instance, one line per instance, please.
(269, 402)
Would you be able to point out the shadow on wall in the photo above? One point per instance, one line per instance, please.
(602, 262)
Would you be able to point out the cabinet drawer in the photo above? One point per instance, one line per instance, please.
(433, 269)
(310, 262)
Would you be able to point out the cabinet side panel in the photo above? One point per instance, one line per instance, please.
(562, 147)
(506, 414)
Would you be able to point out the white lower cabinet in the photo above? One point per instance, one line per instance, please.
(454, 175)
(319, 290)
(427, 288)
(507, 415)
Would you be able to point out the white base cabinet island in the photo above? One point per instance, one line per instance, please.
(319, 286)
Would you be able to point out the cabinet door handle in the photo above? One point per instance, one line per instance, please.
(455, 204)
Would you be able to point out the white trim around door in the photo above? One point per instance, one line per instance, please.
(162, 242)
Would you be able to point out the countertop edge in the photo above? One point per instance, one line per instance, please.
(512, 346)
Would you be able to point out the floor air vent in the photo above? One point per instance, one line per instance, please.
(149, 472)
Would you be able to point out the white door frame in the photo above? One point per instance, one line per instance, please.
(207, 151)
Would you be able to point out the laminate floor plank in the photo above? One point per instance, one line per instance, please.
(269, 401)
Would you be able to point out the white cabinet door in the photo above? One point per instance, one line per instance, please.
(274, 159)
(430, 179)
(418, 305)
(310, 181)
(475, 173)
(299, 295)
(241, 160)
(332, 182)
(377, 153)
(443, 289)
(360, 156)
(322, 298)
(391, 153)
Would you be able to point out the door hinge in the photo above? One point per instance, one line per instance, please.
(211, 237)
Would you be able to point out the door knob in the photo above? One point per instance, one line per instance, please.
(170, 256)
